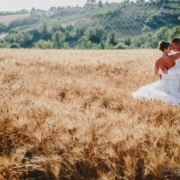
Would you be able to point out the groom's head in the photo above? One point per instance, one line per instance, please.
(175, 44)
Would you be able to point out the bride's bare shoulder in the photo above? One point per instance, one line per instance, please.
(158, 59)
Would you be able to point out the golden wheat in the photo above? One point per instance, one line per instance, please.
(69, 114)
(6, 19)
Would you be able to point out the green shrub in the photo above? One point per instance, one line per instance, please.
(3, 45)
(15, 46)
(120, 45)
(41, 44)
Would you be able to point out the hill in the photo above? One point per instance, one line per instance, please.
(6, 19)
(115, 25)
(129, 19)
(126, 19)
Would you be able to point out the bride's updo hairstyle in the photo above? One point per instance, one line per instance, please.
(163, 45)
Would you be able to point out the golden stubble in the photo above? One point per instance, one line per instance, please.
(6, 19)
(69, 114)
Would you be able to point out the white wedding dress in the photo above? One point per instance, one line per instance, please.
(167, 89)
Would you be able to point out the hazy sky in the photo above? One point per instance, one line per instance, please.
(14, 5)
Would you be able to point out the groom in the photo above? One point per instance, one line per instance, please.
(175, 45)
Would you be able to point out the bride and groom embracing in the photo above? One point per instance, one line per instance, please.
(167, 66)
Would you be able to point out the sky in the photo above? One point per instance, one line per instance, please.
(16, 5)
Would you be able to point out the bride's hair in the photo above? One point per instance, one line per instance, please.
(163, 45)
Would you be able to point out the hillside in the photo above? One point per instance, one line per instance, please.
(128, 19)
(125, 20)
(115, 25)
(6, 19)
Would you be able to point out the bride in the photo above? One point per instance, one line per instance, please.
(167, 89)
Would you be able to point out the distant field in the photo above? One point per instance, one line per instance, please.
(2, 36)
(7, 19)
(69, 115)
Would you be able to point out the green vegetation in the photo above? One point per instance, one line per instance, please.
(15, 46)
(105, 26)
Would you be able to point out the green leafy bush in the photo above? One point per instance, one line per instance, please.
(15, 46)
(41, 44)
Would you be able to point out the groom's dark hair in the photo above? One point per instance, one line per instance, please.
(176, 40)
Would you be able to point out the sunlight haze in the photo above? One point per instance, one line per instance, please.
(15, 5)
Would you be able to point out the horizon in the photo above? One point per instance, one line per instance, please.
(17, 5)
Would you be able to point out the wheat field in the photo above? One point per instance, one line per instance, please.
(69, 114)
(6, 19)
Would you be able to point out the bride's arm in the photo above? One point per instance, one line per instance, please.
(156, 71)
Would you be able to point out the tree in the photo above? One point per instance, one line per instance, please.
(112, 39)
(52, 9)
(92, 38)
(2, 27)
(95, 34)
(140, 1)
(15, 46)
(27, 38)
(100, 5)
(91, 1)
(178, 18)
(58, 40)
(79, 32)
(155, 22)
(44, 44)
(4, 45)
(54, 25)
(120, 45)
(33, 10)
(43, 31)
(127, 41)
(146, 29)
(22, 38)
(175, 32)
(162, 34)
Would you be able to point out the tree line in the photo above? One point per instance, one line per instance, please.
(46, 32)
(51, 35)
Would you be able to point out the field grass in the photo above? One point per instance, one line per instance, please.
(69, 114)
(9, 18)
